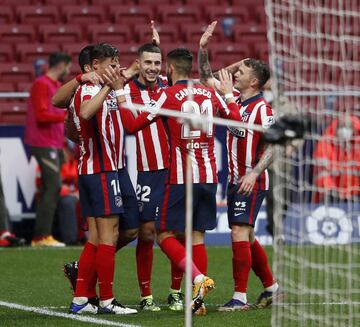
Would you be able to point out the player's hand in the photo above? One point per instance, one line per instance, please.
(155, 39)
(114, 77)
(247, 183)
(226, 82)
(207, 34)
(92, 77)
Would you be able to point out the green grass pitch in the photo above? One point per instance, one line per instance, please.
(33, 277)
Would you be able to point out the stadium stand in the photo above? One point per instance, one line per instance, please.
(32, 29)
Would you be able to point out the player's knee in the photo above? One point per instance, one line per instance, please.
(147, 233)
(162, 236)
(130, 234)
(240, 233)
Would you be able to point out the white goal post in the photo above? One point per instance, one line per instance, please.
(315, 61)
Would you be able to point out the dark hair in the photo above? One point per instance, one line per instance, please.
(260, 68)
(181, 58)
(84, 56)
(148, 47)
(103, 51)
(56, 58)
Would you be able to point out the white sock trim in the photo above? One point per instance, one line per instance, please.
(273, 288)
(80, 300)
(198, 278)
(240, 296)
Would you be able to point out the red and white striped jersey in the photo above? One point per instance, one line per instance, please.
(197, 143)
(96, 135)
(244, 145)
(152, 147)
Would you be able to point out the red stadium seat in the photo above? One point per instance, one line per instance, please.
(61, 33)
(6, 52)
(17, 33)
(260, 15)
(30, 52)
(179, 14)
(24, 86)
(16, 72)
(111, 2)
(249, 29)
(109, 33)
(131, 14)
(13, 112)
(229, 53)
(261, 51)
(65, 2)
(6, 15)
(128, 53)
(18, 2)
(206, 2)
(83, 14)
(239, 13)
(168, 33)
(193, 32)
(73, 49)
(37, 14)
(7, 87)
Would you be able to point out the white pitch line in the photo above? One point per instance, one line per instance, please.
(52, 313)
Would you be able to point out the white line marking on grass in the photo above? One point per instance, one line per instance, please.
(52, 313)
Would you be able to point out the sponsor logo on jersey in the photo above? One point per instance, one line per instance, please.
(238, 132)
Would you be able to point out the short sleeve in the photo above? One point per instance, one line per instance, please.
(267, 117)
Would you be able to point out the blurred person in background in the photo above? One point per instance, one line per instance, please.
(337, 161)
(44, 133)
(281, 107)
(6, 237)
(66, 216)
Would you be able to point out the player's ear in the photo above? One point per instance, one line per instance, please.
(87, 68)
(254, 83)
(95, 64)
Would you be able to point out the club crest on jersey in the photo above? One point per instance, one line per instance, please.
(118, 201)
(111, 101)
(238, 132)
(245, 116)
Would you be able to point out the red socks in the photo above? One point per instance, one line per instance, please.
(241, 265)
(105, 267)
(144, 260)
(200, 257)
(176, 253)
(177, 273)
(86, 269)
(260, 264)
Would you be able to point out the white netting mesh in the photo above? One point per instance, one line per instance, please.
(315, 58)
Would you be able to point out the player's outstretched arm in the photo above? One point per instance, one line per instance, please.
(206, 76)
(155, 38)
(63, 95)
(248, 181)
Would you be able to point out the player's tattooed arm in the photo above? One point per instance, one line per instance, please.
(248, 181)
(62, 97)
(265, 160)
(206, 76)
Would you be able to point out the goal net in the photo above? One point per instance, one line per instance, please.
(315, 59)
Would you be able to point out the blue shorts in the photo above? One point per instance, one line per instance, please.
(99, 194)
(150, 192)
(173, 211)
(243, 209)
(130, 217)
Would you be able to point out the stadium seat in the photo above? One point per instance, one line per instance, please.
(193, 32)
(128, 53)
(61, 33)
(7, 87)
(110, 2)
(6, 52)
(160, 2)
(83, 14)
(13, 112)
(13, 33)
(239, 13)
(193, 47)
(37, 14)
(109, 33)
(66, 2)
(250, 29)
(73, 49)
(24, 86)
(6, 15)
(206, 2)
(131, 14)
(229, 53)
(260, 15)
(179, 14)
(16, 72)
(30, 52)
(261, 51)
(168, 33)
